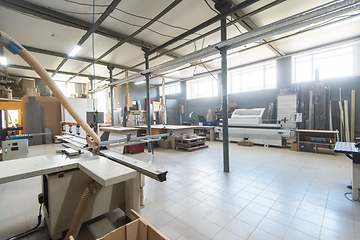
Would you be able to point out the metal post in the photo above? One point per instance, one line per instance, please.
(222, 7)
(147, 96)
(111, 68)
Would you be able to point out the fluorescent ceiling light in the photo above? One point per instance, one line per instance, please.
(171, 73)
(140, 82)
(228, 56)
(3, 61)
(75, 50)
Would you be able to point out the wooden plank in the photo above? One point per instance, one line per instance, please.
(346, 120)
(352, 121)
(342, 124)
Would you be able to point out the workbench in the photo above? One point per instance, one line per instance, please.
(177, 129)
(309, 137)
(209, 129)
(65, 179)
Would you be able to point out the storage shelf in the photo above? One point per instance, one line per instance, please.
(330, 137)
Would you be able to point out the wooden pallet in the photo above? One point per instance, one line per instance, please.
(192, 147)
(190, 143)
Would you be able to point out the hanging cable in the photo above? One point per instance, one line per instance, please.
(136, 25)
(130, 14)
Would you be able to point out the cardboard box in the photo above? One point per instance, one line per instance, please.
(294, 146)
(27, 83)
(136, 230)
(165, 144)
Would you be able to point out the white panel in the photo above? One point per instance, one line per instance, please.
(286, 106)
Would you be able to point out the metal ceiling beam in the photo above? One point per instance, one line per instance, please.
(274, 3)
(51, 71)
(66, 20)
(205, 24)
(249, 25)
(82, 59)
(298, 21)
(92, 29)
(245, 16)
(162, 13)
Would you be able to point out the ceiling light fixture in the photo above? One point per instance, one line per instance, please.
(139, 82)
(75, 50)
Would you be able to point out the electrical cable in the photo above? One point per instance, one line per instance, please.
(34, 229)
(136, 25)
(351, 200)
(211, 7)
(217, 12)
(131, 14)
(80, 13)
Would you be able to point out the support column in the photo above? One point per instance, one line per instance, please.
(111, 68)
(223, 6)
(163, 102)
(148, 96)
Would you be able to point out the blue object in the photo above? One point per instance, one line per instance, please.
(208, 124)
(14, 48)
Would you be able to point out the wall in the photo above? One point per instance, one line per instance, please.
(262, 98)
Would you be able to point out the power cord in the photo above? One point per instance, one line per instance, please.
(24, 234)
(351, 200)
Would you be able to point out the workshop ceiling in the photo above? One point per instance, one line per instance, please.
(32, 28)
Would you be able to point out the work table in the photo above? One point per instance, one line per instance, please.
(106, 172)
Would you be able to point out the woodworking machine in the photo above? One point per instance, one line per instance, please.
(77, 188)
(248, 125)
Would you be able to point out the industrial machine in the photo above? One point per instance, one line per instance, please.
(248, 124)
(14, 149)
(16, 146)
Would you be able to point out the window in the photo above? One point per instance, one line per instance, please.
(201, 88)
(67, 91)
(331, 63)
(170, 89)
(253, 78)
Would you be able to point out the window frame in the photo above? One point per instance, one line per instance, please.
(313, 61)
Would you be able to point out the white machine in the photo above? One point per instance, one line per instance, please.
(14, 149)
(247, 124)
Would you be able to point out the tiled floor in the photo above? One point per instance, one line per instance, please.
(270, 193)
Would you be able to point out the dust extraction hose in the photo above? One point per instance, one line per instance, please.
(17, 48)
(81, 210)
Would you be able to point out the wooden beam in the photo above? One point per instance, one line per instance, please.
(352, 123)
(346, 116)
